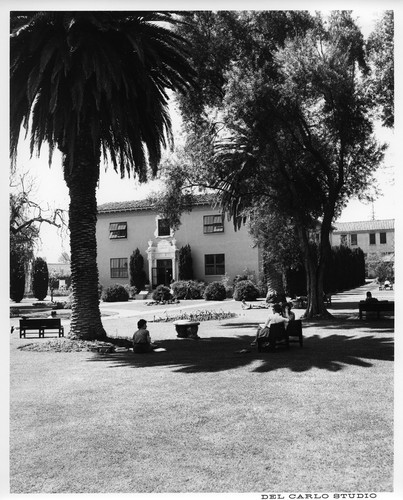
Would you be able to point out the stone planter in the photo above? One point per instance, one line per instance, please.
(187, 329)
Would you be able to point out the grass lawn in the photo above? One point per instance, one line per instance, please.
(201, 417)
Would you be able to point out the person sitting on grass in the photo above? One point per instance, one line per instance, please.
(141, 338)
(276, 317)
(245, 305)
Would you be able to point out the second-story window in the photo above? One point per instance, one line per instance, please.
(213, 224)
(163, 227)
(117, 230)
(382, 238)
(372, 239)
(353, 239)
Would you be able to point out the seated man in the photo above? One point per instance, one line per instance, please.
(141, 338)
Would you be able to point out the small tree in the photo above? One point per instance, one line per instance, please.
(17, 277)
(185, 263)
(53, 283)
(138, 276)
(40, 278)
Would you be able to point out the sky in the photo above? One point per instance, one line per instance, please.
(52, 191)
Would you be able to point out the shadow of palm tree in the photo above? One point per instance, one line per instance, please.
(215, 354)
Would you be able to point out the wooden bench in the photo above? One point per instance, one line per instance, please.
(40, 325)
(376, 306)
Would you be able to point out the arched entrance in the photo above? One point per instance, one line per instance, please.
(162, 262)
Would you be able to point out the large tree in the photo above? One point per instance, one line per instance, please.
(94, 84)
(295, 132)
(380, 47)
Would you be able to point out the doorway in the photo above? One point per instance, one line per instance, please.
(163, 272)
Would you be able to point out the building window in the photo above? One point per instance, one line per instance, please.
(214, 264)
(213, 224)
(343, 239)
(353, 239)
(372, 239)
(163, 227)
(119, 268)
(117, 230)
(382, 238)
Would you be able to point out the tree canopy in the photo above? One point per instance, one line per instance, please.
(288, 124)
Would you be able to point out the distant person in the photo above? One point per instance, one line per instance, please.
(141, 338)
(53, 314)
(369, 298)
(261, 305)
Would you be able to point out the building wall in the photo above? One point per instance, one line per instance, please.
(237, 246)
(363, 241)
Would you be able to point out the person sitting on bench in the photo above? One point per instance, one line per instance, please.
(287, 313)
(276, 317)
(141, 338)
(369, 298)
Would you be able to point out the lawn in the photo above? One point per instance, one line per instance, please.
(202, 417)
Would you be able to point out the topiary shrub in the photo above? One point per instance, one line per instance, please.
(215, 291)
(40, 278)
(115, 293)
(187, 289)
(17, 278)
(162, 293)
(138, 277)
(246, 290)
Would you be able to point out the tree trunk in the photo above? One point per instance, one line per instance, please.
(82, 181)
(275, 283)
(315, 261)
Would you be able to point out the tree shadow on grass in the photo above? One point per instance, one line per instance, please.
(215, 354)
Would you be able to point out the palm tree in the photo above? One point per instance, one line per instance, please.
(94, 85)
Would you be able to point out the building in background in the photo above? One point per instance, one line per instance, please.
(373, 236)
(217, 249)
(376, 238)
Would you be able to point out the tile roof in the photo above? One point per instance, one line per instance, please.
(367, 225)
(137, 205)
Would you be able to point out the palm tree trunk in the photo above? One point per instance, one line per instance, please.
(82, 181)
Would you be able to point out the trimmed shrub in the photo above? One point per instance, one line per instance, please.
(115, 293)
(40, 278)
(131, 291)
(185, 263)
(17, 278)
(246, 290)
(229, 289)
(138, 277)
(162, 293)
(215, 291)
(187, 289)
